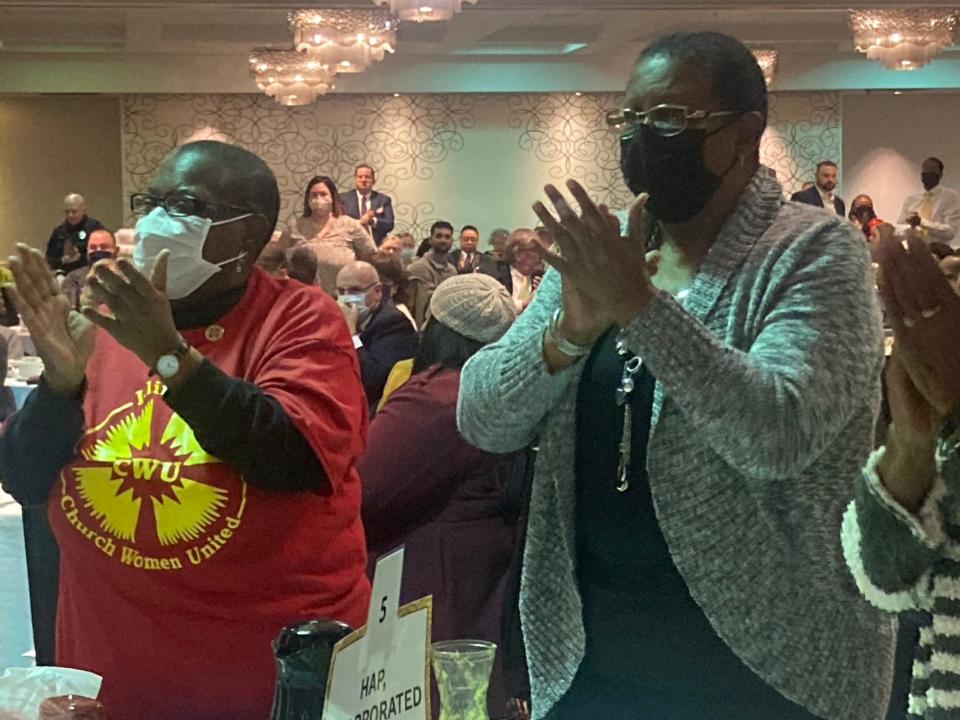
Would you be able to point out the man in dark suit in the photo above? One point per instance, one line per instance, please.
(467, 259)
(67, 246)
(374, 210)
(821, 194)
(382, 335)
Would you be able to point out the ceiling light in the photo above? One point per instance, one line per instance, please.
(418, 11)
(903, 39)
(350, 40)
(768, 61)
(291, 77)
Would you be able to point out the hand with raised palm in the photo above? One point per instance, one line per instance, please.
(63, 337)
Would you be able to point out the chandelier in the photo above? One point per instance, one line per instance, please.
(292, 78)
(347, 41)
(767, 60)
(424, 10)
(903, 39)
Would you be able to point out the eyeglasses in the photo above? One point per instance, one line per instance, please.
(665, 120)
(143, 204)
(353, 290)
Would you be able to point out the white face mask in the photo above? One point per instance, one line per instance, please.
(359, 302)
(184, 236)
(321, 205)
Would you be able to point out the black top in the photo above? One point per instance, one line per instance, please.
(77, 236)
(388, 338)
(650, 650)
(232, 419)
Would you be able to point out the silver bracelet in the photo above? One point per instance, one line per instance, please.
(555, 336)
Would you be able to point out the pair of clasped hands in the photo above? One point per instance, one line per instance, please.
(133, 308)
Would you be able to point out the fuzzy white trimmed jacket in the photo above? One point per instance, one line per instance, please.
(903, 562)
(767, 387)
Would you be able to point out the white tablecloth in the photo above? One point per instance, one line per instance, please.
(16, 632)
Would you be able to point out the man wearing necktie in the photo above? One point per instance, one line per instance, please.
(936, 210)
(468, 259)
(374, 210)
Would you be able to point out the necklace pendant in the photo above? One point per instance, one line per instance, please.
(624, 484)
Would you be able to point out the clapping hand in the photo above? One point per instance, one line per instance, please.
(925, 314)
(141, 319)
(606, 277)
(63, 337)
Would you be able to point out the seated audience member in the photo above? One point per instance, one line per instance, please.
(427, 272)
(382, 334)
(426, 488)
(408, 249)
(273, 261)
(67, 246)
(101, 245)
(863, 215)
(199, 450)
(950, 267)
(391, 245)
(498, 243)
(900, 531)
(467, 259)
(395, 281)
(522, 268)
(302, 263)
(335, 238)
(936, 210)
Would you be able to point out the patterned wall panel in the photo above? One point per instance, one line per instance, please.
(803, 129)
(467, 158)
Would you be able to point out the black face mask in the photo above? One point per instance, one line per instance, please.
(671, 170)
(98, 255)
(930, 180)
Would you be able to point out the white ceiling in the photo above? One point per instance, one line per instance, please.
(497, 45)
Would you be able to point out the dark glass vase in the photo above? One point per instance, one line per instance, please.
(303, 652)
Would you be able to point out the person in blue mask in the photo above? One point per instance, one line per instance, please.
(195, 431)
(703, 391)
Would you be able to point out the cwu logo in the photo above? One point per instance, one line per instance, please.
(146, 488)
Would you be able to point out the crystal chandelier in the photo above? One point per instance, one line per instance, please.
(424, 10)
(347, 41)
(767, 60)
(903, 39)
(292, 78)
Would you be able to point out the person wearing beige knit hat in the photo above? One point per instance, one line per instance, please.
(452, 506)
(475, 306)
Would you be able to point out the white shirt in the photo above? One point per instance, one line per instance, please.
(521, 288)
(369, 197)
(827, 199)
(944, 222)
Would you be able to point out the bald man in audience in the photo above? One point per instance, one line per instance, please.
(101, 245)
(382, 335)
(67, 246)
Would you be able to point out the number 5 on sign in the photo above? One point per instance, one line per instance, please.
(384, 604)
(382, 671)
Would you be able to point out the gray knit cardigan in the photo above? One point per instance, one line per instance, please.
(767, 386)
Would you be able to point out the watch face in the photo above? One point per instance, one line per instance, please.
(168, 366)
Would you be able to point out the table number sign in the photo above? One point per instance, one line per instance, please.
(382, 670)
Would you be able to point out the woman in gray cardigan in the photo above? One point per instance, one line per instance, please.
(701, 414)
(901, 533)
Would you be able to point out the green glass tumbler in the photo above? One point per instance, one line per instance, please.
(462, 669)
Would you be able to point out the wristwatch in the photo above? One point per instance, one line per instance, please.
(168, 364)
